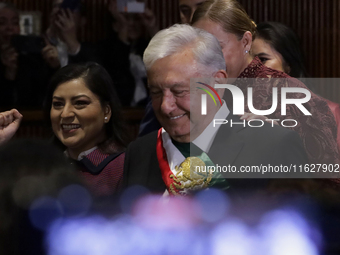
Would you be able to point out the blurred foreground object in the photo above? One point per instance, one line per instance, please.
(208, 223)
(32, 173)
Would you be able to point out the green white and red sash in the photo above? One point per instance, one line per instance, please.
(164, 164)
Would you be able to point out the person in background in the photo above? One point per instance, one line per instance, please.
(23, 75)
(85, 115)
(187, 9)
(278, 47)
(9, 124)
(122, 51)
(63, 45)
(9, 27)
(231, 25)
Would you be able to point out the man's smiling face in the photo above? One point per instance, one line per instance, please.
(169, 83)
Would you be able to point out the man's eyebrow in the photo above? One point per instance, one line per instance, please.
(174, 85)
(179, 84)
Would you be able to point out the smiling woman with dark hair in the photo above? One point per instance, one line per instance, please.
(86, 119)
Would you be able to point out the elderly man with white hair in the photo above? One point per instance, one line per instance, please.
(178, 60)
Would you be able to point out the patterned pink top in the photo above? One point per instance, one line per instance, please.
(101, 175)
(335, 108)
(318, 132)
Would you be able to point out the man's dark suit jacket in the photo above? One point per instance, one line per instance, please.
(240, 146)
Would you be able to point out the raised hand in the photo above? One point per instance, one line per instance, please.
(67, 27)
(50, 54)
(9, 124)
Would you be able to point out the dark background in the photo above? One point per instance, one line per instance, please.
(317, 23)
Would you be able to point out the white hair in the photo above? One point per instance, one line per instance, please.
(205, 47)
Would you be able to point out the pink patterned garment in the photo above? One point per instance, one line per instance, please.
(102, 176)
(318, 132)
(335, 108)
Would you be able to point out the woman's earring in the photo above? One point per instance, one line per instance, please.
(105, 119)
(246, 52)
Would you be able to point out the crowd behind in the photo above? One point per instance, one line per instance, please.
(88, 167)
(25, 71)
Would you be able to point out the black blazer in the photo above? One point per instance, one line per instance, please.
(239, 146)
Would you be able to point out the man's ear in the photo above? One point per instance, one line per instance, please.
(220, 78)
(247, 40)
(107, 113)
(220, 75)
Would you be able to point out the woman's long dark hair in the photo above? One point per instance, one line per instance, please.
(285, 41)
(100, 83)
